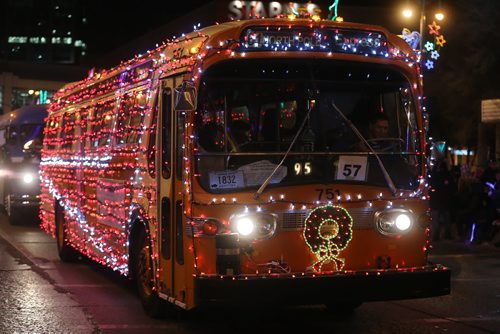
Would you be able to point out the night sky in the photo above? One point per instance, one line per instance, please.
(114, 22)
(467, 71)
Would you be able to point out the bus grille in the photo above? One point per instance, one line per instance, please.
(294, 220)
(362, 219)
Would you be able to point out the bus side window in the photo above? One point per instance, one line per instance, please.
(152, 143)
(68, 131)
(102, 125)
(126, 105)
(130, 118)
(97, 119)
(106, 129)
(165, 130)
(136, 118)
(51, 133)
(180, 143)
(81, 129)
(87, 130)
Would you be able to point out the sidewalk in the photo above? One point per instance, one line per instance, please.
(461, 247)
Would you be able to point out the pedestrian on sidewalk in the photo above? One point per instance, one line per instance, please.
(441, 185)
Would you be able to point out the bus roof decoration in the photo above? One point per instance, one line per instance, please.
(330, 40)
(333, 10)
(411, 37)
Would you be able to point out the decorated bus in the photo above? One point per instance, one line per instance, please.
(256, 161)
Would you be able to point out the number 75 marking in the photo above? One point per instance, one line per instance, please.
(328, 193)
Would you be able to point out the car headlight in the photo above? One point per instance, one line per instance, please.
(28, 177)
(394, 221)
(254, 225)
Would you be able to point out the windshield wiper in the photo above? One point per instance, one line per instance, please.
(387, 177)
(299, 131)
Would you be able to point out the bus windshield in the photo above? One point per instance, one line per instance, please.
(251, 111)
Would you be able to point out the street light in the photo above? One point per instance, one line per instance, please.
(408, 13)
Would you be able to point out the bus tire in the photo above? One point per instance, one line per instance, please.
(66, 252)
(143, 275)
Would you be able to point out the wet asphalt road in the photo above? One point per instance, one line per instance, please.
(32, 303)
(40, 294)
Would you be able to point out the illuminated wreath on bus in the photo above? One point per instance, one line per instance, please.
(327, 231)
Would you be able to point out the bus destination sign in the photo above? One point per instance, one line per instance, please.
(363, 42)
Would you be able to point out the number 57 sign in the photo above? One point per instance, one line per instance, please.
(352, 168)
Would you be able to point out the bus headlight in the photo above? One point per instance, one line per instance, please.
(244, 226)
(394, 221)
(403, 222)
(254, 225)
(28, 177)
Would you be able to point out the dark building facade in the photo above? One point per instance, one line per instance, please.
(43, 31)
(41, 44)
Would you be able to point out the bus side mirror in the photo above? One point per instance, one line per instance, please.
(185, 97)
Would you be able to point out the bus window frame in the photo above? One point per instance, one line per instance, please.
(166, 110)
(98, 120)
(54, 138)
(68, 135)
(124, 134)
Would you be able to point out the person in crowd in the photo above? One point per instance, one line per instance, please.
(441, 190)
(466, 203)
(488, 175)
(482, 204)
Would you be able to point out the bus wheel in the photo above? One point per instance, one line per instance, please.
(66, 252)
(144, 277)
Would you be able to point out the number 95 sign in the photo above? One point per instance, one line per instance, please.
(352, 168)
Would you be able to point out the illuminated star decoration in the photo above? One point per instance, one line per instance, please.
(434, 48)
(434, 28)
(429, 64)
(327, 231)
(429, 46)
(333, 10)
(440, 40)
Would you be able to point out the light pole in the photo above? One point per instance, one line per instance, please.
(408, 13)
(422, 23)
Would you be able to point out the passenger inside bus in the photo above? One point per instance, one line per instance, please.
(239, 135)
(211, 138)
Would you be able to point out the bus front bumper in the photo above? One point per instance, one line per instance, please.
(308, 288)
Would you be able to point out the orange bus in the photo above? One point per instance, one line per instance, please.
(236, 164)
